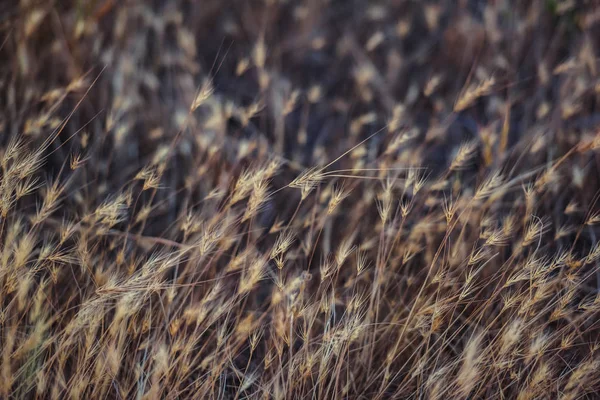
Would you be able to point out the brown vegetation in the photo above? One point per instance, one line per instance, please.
(299, 199)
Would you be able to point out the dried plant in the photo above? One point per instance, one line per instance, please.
(299, 199)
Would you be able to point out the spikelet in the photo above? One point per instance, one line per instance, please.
(469, 370)
(258, 198)
(337, 196)
(464, 155)
(473, 93)
(307, 181)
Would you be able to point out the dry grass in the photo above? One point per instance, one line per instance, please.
(299, 199)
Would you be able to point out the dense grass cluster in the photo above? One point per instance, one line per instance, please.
(313, 199)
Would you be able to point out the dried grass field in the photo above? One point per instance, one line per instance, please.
(299, 199)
